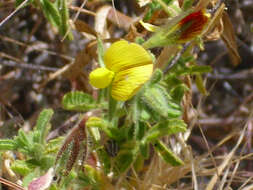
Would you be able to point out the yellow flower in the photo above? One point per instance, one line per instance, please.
(128, 67)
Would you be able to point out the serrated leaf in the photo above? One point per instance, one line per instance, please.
(78, 101)
(165, 128)
(37, 151)
(154, 99)
(23, 140)
(41, 125)
(7, 144)
(156, 77)
(111, 132)
(174, 110)
(158, 101)
(126, 156)
(53, 145)
(177, 92)
(22, 167)
(166, 154)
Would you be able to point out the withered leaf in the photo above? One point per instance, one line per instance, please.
(81, 26)
(229, 38)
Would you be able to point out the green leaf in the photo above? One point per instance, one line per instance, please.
(7, 144)
(105, 126)
(144, 149)
(104, 159)
(22, 167)
(47, 162)
(192, 70)
(37, 151)
(28, 178)
(187, 4)
(157, 100)
(126, 156)
(100, 52)
(23, 140)
(140, 130)
(67, 180)
(200, 85)
(51, 12)
(42, 124)
(197, 69)
(78, 101)
(166, 154)
(139, 163)
(165, 128)
(53, 145)
(93, 178)
(177, 92)
(156, 77)
(64, 13)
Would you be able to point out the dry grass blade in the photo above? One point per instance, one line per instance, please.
(82, 10)
(225, 162)
(16, 10)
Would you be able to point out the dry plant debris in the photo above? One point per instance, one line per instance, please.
(188, 126)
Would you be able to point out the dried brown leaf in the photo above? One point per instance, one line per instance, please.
(82, 26)
(229, 38)
(125, 21)
(165, 55)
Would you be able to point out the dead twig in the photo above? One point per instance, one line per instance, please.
(14, 62)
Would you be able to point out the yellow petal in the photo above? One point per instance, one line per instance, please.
(127, 82)
(123, 55)
(101, 77)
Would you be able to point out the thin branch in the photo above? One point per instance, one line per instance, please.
(14, 62)
(176, 58)
(85, 11)
(11, 184)
(16, 10)
(75, 17)
(5, 38)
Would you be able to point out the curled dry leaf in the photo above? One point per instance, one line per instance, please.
(101, 22)
(228, 36)
(117, 18)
